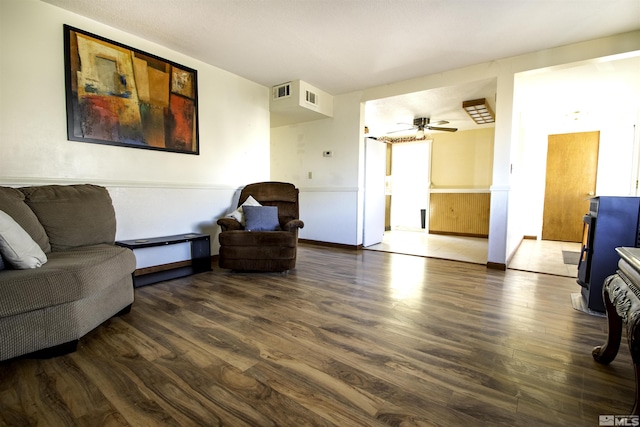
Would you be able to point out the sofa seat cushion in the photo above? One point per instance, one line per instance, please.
(258, 238)
(258, 250)
(68, 276)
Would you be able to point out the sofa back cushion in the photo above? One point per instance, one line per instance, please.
(12, 202)
(73, 215)
(281, 194)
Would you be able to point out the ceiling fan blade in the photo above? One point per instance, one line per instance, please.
(442, 129)
(438, 123)
(402, 130)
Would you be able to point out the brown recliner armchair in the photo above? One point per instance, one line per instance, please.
(245, 250)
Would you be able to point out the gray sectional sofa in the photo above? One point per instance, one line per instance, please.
(85, 279)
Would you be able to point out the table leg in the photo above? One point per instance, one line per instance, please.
(606, 353)
(633, 335)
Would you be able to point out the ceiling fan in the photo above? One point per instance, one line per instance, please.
(424, 123)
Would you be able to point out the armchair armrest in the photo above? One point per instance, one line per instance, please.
(293, 225)
(228, 224)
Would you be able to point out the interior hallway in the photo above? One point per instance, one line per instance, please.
(539, 256)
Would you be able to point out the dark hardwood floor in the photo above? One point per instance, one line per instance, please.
(346, 339)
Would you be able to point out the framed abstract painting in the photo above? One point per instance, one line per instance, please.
(118, 95)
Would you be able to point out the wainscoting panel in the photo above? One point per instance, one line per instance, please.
(329, 215)
(464, 214)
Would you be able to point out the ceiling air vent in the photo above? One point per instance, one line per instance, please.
(311, 98)
(282, 91)
(297, 102)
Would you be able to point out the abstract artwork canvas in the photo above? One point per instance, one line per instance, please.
(118, 95)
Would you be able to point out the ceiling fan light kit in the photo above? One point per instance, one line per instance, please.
(479, 111)
(420, 122)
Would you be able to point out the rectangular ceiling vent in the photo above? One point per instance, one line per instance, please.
(311, 98)
(282, 91)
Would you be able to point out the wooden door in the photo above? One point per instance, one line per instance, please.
(572, 162)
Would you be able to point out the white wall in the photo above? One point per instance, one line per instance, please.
(505, 226)
(607, 94)
(329, 200)
(508, 203)
(155, 193)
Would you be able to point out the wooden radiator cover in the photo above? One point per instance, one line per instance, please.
(464, 214)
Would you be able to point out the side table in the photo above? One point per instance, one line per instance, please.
(621, 294)
(200, 256)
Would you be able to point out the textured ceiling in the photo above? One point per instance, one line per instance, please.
(340, 46)
(344, 45)
(393, 113)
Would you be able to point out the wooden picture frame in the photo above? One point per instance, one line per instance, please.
(118, 95)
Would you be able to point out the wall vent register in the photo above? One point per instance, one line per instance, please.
(282, 91)
(311, 98)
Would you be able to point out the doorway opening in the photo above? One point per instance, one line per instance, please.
(408, 212)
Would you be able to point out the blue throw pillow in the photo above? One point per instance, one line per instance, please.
(261, 218)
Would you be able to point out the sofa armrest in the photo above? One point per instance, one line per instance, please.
(228, 224)
(293, 225)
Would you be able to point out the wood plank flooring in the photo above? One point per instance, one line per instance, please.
(346, 339)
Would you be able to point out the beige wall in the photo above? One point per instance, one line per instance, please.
(462, 160)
